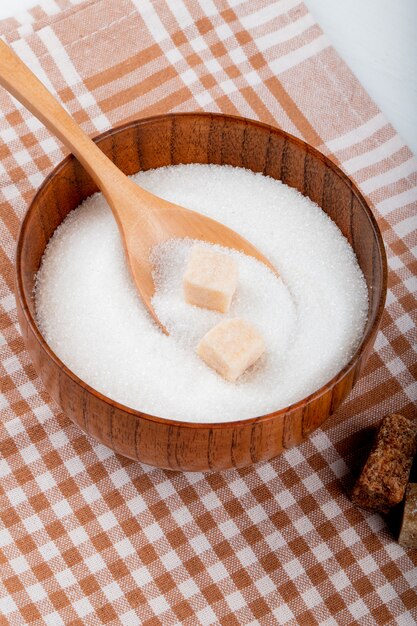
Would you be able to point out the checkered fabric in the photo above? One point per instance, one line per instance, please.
(88, 537)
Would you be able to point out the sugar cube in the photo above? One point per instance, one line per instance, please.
(383, 480)
(231, 347)
(210, 279)
(408, 532)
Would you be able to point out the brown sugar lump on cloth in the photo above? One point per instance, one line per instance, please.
(383, 480)
(408, 532)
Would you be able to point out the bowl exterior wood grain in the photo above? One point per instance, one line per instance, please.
(199, 138)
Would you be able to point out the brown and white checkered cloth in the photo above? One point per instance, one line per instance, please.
(88, 537)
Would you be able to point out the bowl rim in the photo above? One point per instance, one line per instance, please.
(217, 425)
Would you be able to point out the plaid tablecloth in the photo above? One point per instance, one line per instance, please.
(88, 537)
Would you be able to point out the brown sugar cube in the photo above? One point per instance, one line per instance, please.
(231, 347)
(384, 477)
(210, 279)
(408, 532)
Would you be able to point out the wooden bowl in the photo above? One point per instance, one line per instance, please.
(199, 138)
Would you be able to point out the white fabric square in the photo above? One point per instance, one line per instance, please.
(158, 605)
(83, 607)
(46, 481)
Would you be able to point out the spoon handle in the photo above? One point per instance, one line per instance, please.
(20, 81)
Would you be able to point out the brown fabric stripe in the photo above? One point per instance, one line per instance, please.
(128, 66)
(294, 113)
(138, 90)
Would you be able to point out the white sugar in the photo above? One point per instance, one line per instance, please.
(312, 319)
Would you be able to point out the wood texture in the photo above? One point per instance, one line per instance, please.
(144, 220)
(203, 138)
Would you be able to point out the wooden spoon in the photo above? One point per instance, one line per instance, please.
(144, 220)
